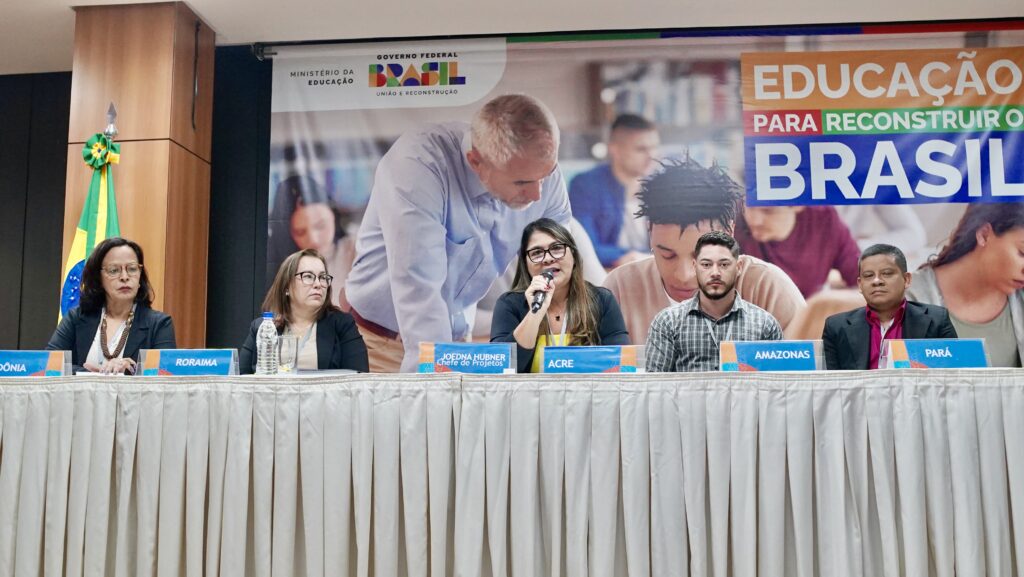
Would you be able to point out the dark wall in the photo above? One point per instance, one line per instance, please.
(239, 190)
(33, 167)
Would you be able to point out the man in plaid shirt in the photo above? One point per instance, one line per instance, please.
(687, 336)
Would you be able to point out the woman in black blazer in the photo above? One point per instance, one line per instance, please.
(300, 299)
(114, 318)
(571, 311)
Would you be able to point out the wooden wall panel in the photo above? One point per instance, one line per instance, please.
(195, 139)
(188, 227)
(123, 54)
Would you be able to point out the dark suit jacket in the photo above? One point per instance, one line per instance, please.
(151, 329)
(511, 309)
(338, 345)
(847, 336)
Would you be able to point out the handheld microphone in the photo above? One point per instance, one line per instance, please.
(539, 296)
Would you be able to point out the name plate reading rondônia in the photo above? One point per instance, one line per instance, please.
(936, 354)
(188, 362)
(474, 358)
(35, 363)
(599, 359)
(768, 356)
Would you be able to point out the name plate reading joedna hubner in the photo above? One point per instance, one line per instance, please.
(770, 356)
(475, 358)
(189, 362)
(35, 363)
(935, 354)
(600, 359)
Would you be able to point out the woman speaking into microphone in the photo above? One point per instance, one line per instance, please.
(550, 304)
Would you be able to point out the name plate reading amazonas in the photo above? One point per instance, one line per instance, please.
(188, 362)
(475, 358)
(601, 359)
(935, 354)
(35, 363)
(770, 356)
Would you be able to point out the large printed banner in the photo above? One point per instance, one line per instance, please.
(883, 127)
(909, 137)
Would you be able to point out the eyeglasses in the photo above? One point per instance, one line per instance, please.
(114, 271)
(556, 250)
(308, 278)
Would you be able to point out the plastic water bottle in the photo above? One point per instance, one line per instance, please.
(266, 346)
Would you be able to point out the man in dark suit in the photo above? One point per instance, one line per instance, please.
(853, 340)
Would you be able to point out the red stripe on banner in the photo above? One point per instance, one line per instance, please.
(942, 27)
(781, 122)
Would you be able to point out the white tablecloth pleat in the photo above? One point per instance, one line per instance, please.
(888, 473)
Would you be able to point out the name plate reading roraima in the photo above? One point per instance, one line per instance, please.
(34, 363)
(600, 359)
(475, 358)
(188, 362)
(769, 356)
(936, 354)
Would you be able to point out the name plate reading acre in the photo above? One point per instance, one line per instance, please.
(601, 359)
(770, 356)
(35, 363)
(935, 354)
(476, 358)
(188, 362)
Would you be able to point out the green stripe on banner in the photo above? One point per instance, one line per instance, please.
(583, 37)
(969, 119)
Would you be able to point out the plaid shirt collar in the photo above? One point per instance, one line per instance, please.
(692, 306)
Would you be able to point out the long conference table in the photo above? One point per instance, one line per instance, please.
(845, 474)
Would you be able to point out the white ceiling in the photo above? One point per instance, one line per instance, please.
(37, 35)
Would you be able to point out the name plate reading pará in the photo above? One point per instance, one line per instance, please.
(35, 363)
(935, 354)
(600, 359)
(188, 362)
(770, 356)
(475, 358)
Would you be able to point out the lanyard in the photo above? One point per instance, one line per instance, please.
(711, 328)
(551, 338)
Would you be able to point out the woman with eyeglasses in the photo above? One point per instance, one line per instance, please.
(114, 318)
(572, 312)
(300, 299)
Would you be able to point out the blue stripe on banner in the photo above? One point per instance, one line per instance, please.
(885, 169)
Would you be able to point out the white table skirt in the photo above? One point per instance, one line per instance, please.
(875, 474)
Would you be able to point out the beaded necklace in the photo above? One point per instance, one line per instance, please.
(121, 342)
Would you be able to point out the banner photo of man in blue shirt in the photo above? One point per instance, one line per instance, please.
(448, 205)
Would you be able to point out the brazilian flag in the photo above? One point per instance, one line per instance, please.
(99, 216)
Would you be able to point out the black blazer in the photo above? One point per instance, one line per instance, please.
(847, 336)
(151, 329)
(512, 308)
(338, 345)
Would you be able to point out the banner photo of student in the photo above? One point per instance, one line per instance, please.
(373, 163)
(884, 127)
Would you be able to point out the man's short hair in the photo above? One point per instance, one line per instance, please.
(886, 249)
(717, 238)
(686, 193)
(632, 122)
(510, 125)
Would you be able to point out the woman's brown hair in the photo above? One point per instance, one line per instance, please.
(279, 302)
(581, 303)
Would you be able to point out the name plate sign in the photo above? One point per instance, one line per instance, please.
(601, 359)
(475, 358)
(935, 354)
(35, 363)
(770, 356)
(188, 362)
